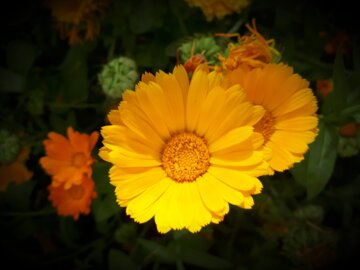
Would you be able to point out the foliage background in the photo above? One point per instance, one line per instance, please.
(306, 218)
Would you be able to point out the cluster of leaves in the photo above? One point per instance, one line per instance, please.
(306, 218)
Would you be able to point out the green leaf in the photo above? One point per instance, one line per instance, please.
(18, 196)
(336, 100)
(101, 178)
(158, 250)
(20, 56)
(11, 81)
(104, 207)
(151, 16)
(119, 260)
(205, 260)
(316, 169)
(74, 75)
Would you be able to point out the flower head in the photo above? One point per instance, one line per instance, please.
(252, 51)
(68, 160)
(74, 200)
(117, 76)
(16, 171)
(219, 8)
(290, 121)
(183, 150)
(202, 50)
(77, 20)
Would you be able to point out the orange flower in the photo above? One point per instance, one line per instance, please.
(253, 51)
(77, 20)
(339, 41)
(69, 160)
(74, 200)
(324, 87)
(16, 171)
(348, 130)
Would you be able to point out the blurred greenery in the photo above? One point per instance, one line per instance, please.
(305, 218)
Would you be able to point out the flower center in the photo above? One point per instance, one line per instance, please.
(76, 192)
(185, 157)
(78, 160)
(265, 126)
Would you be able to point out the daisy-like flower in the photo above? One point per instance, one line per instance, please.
(182, 151)
(68, 160)
(77, 20)
(16, 171)
(290, 122)
(75, 200)
(219, 8)
(251, 51)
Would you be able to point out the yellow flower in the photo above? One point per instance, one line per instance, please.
(182, 151)
(77, 20)
(290, 121)
(252, 51)
(15, 171)
(68, 160)
(219, 8)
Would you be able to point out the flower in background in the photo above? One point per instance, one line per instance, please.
(183, 150)
(219, 8)
(349, 141)
(252, 51)
(324, 87)
(75, 200)
(290, 122)
(77, 20)
(69, 160)
(16, 171)
(340, 41)
(349, 129)
(117, 76)
(202, 50)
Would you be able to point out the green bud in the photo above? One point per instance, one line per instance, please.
(9, 147)
(117, 76)
(348, 146)
(310, 212)
(202, 45)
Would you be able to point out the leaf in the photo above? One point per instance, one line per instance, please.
(336, 100)
(104, 207)
(74, 75)
(20, 56)
(11, 81)
(119, 260)
(151, 14)
(203, 259)
(158, 250)
(316, 169)
(101, 178)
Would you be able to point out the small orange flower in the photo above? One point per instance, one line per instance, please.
(339, 41)
(16, 171)
(74, 200)
(253, 51)
(324, 87)
(68, 160)
(77, 20)
(348, 130)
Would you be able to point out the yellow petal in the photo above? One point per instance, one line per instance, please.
(233, 178)
(233, 137)
(198, 90)
(298, 123)
(210, 196)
